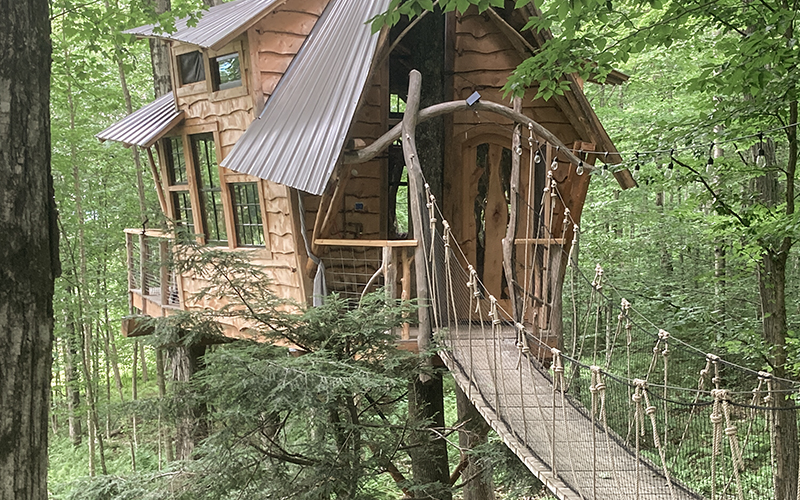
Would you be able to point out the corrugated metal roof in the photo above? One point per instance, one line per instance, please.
(298, 137)
(217, 25)
(145, 126)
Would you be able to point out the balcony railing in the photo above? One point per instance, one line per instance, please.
(150, 277)
(356, 267)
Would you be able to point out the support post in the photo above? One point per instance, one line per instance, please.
(511, 230)
(416, 194)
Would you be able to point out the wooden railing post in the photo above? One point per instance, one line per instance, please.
(163, 250)
(405, 293)
(143, 263)
(129, 252)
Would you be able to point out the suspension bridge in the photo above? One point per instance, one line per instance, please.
(606, 404)
(621, 408)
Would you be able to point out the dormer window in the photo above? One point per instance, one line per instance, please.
(191, 67)
(226, 71)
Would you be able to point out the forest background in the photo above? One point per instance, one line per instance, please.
(687, 246)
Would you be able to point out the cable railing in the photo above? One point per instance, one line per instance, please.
(150, 273)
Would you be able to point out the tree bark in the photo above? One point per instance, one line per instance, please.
(192, 426)
(71, 382)
(159, 55)
(474, 432)
(772, 285)
(28, 249)
(429, 450)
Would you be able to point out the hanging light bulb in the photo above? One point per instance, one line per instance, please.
(636, 169)
(554, 164)
(604, 172)
(670, 166)
(580, 168)
(761, 159)
(710, 165)
(536, 158)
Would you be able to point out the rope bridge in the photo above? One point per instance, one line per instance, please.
(618, 408)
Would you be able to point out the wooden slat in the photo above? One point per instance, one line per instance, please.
(365, 243)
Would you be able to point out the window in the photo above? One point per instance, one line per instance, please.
(247, 214)
(205, 161)
(176, 173)
(182, 204)
(226, 72)
(191, 67)
(174, 151)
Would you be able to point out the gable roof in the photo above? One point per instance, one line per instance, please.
(146, 125)
(217, 26)
(302, 130)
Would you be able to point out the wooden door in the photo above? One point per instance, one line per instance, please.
(485, 199)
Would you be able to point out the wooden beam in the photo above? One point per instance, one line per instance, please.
(509, 262)
(162, 199)
(416, 194)
(446, 108)
(539, 241)
(137, 326)
(365, 243)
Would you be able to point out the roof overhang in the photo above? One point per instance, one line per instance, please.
(216, 27)
(145, 126)
(301, 132)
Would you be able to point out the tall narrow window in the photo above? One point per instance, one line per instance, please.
(176, 173)
(205, 160)
(174, 153)
(247, 214)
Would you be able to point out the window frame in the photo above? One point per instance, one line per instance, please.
(237, 46)
(261, 213)
(226, 179)
(198, 87)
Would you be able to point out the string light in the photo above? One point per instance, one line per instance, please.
(580, 168)
(604, 172)
(710, 165)
(636, 166)
(554, 164)
(536, 158)
(761, 159)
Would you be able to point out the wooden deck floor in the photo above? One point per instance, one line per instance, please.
(589, 464)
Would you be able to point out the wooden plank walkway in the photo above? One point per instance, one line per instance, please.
(589, 465)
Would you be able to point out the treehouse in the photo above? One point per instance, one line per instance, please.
(282, 137)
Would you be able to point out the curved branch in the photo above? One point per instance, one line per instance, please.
(446, 108)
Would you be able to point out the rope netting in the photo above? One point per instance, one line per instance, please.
(616, 407)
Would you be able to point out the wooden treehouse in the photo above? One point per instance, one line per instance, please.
(282, 137)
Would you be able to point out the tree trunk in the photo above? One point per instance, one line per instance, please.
(159, 55)
(429, 450)
(474, 432)
(71, 382)
(192, 427)
(162, 392)
(772, 284)
(28, 249)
